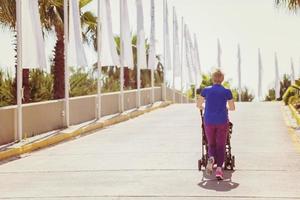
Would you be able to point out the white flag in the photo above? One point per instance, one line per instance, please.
(152, 62)
(167, 53)
(219, 54)
(299, 71)
(108, 51)
(33, 47)
(197, 58)
(292, 72)
(188, 57)
(239, 71)
(141, 48)
(259, 75)
(277, 80)
(193, 64)
(76, 54)
(176, 47)
(127, 59)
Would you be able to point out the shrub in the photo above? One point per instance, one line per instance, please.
(6, 89)
(41, 86)
(82, 83)
(246, 95)
(288, 94)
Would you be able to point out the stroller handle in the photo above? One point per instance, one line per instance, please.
(201, 112)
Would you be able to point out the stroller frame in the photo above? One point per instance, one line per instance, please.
(229, 162)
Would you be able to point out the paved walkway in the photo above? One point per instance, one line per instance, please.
(155, 157)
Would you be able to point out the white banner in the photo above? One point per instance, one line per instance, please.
(197, 58)
(33, 47)
(141, 48)
(167, 49)
(188, 56)
(219, 54)
(108, 51)
(152, 61)
(176, 47)
(292, 72)
(277, 79)
(192, 56)
(127, 59)
(76, 53)
(299, 70)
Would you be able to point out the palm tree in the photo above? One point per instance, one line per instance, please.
(51, 14)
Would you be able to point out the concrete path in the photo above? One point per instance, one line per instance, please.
(155, 157)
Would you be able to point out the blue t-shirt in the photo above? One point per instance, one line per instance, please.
(216, 98)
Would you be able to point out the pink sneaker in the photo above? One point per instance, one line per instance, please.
(219, 173)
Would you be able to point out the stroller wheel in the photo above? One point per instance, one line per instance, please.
(227, 163)
(232, 163)
(199, 165)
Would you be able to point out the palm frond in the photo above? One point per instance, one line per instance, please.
(8, 13)
(83, 3)
(290, 4)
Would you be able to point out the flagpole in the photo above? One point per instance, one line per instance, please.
(138, 69)
(197, 63)
(138, 86)
(165, 54)
(259, 75)
(19, 71)
(195, 68)
(277, 81)
(195, 89)
(181, 67)
(174, 56)
(66, 31)
(152, 84)
(193, 63)
(187, 60)
(239, 73)
(99, 67)
(153, 48)
(121, 62)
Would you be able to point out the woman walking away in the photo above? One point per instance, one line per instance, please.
(218, 100)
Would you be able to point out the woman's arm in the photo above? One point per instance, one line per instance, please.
(200, 102)
(231, 105)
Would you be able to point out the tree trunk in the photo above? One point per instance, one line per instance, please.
(126, 77)
(26, 89)
(59, 65)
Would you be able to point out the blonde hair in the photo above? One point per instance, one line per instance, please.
(217, 77)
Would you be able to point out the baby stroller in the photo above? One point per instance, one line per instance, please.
(229, 162)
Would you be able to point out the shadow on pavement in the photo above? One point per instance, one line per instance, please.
(211, 183)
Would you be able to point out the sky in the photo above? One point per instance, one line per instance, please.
(251, 23)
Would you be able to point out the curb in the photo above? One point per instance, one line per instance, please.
(291, 131)
(295, 114)
(65, 135)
